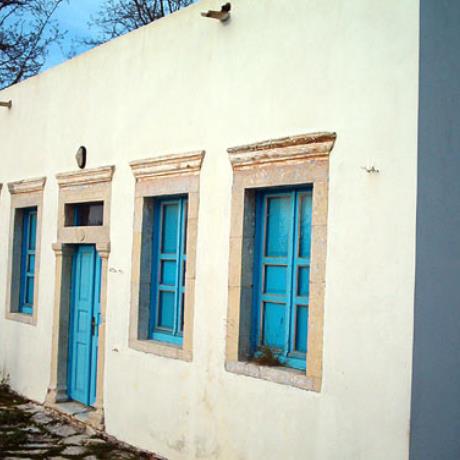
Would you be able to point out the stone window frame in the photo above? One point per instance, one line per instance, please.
(24, 194)
(175, 174)
(81, 186)
(290, 161)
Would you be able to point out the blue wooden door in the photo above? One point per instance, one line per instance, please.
(84, 324)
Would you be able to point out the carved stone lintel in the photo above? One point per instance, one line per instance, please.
(286, 149)
(27, 185)
(168, 165)
(85, 177)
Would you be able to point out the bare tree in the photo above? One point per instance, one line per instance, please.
(117, 17)
(26, 32)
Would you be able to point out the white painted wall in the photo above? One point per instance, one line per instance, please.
(184, 83)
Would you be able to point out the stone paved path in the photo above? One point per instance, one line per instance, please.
(29, 431)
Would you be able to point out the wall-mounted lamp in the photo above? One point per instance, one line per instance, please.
(222, 15)
(81, 157)
(7, 104)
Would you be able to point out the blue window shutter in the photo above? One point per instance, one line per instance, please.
(301, 273)
(27, 270)
(282, 273)
(168, 269)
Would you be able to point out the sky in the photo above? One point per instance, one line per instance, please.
(73, 16)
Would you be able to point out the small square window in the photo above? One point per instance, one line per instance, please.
(84, 214)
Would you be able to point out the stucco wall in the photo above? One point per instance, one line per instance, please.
(186, 83)
(435, 420)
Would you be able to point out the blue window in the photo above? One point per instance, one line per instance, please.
(282, 274)
(27, 274)
(168, 269)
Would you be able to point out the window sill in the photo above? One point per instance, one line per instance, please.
(25, 318)
(281, 375)
(166, 350)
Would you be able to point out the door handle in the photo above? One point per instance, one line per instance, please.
(93, 325)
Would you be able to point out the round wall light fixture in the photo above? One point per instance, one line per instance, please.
(81, 157)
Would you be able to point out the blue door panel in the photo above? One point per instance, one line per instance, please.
(166, 310)
(303, 278)
(84, 319)
(278, 211)
(29, 291)
(97, 322)
(168, 272)
(305, 205)
(81, 353)
(170, 221)
(33, 229)
(301, 329)
(275, 279)
(274, 325)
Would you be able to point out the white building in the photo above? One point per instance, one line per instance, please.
(300, 250)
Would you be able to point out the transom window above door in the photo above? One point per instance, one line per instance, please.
(84, 214)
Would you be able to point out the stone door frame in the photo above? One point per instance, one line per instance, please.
(79, 187)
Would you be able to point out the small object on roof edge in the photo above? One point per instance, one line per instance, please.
(7, 104)
(222, 15)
